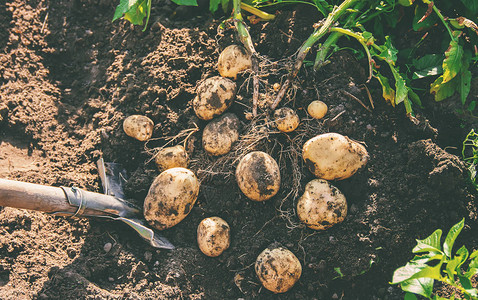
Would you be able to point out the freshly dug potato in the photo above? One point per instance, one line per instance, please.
(213, 236)
(171, 197)
(220, 134)
(258, 176)
(172, 157)
(322, 205)
(232, 60)
(138, 127)
(334, 156)
(214, 96)
(278, 269)
(286, 119)
(317, 109)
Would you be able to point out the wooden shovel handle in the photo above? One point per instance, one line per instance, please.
(37, 197)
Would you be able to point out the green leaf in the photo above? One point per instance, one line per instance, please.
(426, 22)
(405, 2)
(401, 90)
(214, 5)
(414, 97)
(451, 237)
(431, 243)
(453, 61)
(410, 296)
(428, 61)
(443, 90)
(387, 92)
(388, 52)
(133, 10)
(453, 266)
(468, 286)
(186, 2)
(471, 5)
(431, 71)
(421, 286)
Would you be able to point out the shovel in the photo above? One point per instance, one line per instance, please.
(75, 202)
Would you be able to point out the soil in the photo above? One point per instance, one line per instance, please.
(69, 77)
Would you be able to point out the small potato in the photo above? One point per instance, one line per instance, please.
(322, 205)
(333, 156)
(220, 134)
(171, 197)
(138, 127)
(278, 269)
(214, 96)
(317, 109)
(213, 235)
(172, 157)
(286, 119)
(232, 60)
(258, 176)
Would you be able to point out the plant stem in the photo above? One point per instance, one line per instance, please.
(323, 51)
(305, 48)
(257, 12)
(442, 18)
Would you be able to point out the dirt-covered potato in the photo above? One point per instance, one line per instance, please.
(232, 60)
(138, 127)
(258, 176)
(214, 96)
(322, 205)
(286, 119)
(171, 197)
(278, 269)
(220, 134)
(213, 235)
(317, 109)
(172, 157)
(334, 156)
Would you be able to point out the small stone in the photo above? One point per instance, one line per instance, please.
(156, 263)
(111, 279)
(107, 247)
(335, 296)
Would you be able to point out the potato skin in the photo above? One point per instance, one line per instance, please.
(278, 269)
(138, 127)
(220, 134)
(286, 119)
(232, 60)
(317, 109)
(214, 96)
(333, 156)
(322, 205)
(258, 176)
(171, 197)
(172, 157)
(213, 236)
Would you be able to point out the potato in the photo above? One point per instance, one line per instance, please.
(172, 157)
(214, 96)
(213, 235)
(258, 176)
(286, 119)
(334, 156)
(171, 197)
(219, 135)
(232, 60)
(278, 269)
(138, 127)
(317, 109)
(322, 205)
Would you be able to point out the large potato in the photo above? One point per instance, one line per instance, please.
(213, 236)
(138, 127)
(171, 197)
(172, 157)
(322, 205)
(334, 156)
(258, 176)
(278, 269)
(214, 96)
(232, 60)
(286, 119)
(220, 134)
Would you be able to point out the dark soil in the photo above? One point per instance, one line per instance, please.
(69, 77)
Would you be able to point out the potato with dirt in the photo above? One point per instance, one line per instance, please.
(138, 127)
(220, 134)
(171, 197)
(213, 236)
(322, 205)
(258, 176)
(214, 96)
(172, 157)
(332, 156)
(278, 269)
(286, 119)
(317, 109)
(233, 60)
